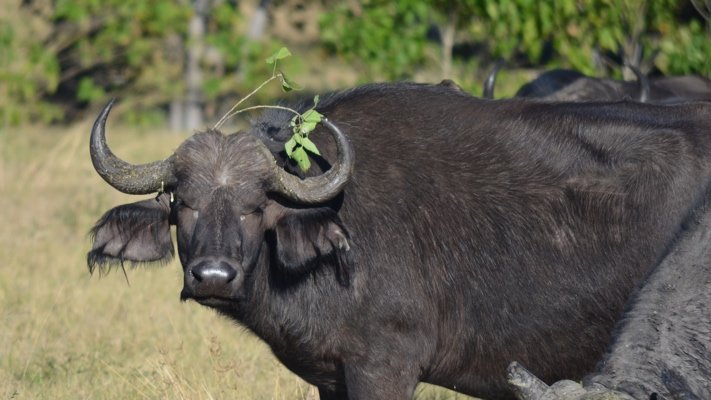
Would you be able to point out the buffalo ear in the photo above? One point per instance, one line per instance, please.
(136, 232)
(306, 238)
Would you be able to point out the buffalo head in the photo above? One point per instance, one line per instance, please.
(232, 206)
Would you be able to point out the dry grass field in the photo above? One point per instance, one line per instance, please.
(65, 334)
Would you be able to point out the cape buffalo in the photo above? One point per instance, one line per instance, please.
(440, 237)
(570, 85)
(662, 348)
(674, 89)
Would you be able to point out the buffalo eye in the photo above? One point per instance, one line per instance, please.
(178, 210)
(184, 217)
(255, 212)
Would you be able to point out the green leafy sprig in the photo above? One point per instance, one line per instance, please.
(301, 124)
(299, 144)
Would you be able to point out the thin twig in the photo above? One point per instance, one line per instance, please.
(228, 116)
(228, 113)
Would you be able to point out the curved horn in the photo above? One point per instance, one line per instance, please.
(643, 84)
(324, 187)
(125, 177)
(491, 80)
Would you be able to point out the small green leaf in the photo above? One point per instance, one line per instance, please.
(287, 84)
(289, 146)
(302, 159)
(307, 127)
(297, 137)
(278, 55)
(310, 146)
(312, 116)
(316, 100)
(304, 164)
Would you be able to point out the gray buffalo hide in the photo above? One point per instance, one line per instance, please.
(662, 348)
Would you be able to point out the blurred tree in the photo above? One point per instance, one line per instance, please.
(28, 73)
(704, 9)
(194, 58)
(258, 24)
(193, 112)
(153, 55)
(574, 30)
(389, 38)
(383, 38)
(685, 41)
(94, 47)
(450, 18)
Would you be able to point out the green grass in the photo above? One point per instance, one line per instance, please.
(68, 335)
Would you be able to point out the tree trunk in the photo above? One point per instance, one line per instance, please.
(175, 53)
(258, 24)
(175, 116)
(632, 46)
(447, 44)
(193, 75)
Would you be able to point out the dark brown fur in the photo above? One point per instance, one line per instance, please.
(471, 234)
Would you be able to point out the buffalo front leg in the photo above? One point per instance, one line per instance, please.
(382, 380)
(332, 394)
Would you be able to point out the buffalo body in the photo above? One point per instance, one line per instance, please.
(468, 234)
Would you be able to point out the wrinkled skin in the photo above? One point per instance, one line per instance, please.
(527, 386)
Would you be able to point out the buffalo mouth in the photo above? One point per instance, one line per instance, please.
(207, 300)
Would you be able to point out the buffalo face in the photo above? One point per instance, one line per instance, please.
(234, 211)
(220, 202)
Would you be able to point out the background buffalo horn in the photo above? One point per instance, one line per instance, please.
(324, 187)
(125, 177)
(490, 81)
(643, 84)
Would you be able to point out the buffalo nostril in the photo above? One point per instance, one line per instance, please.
(214, 273)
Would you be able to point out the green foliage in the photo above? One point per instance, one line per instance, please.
(385, 38)
(288, 85)
(60, 57)
(88, 91)
(114, 43)
(686, 51)
(511, 27)
(280, 54)
(299, 144)
(27, 73)
(86, 49)
(389, 38)
(574, 29)
(239, 64)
